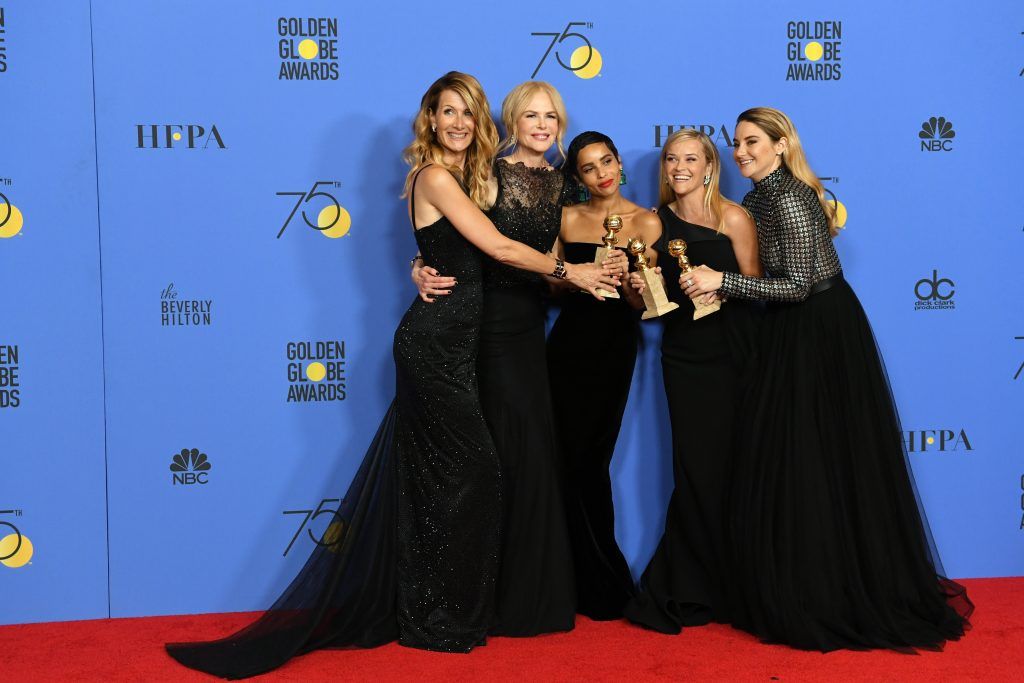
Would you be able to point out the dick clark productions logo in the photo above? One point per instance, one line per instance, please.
(934, 293)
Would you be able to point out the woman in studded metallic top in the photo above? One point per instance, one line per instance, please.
(830, 548)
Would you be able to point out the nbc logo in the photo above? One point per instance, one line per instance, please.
(937, 135)
(190, 467)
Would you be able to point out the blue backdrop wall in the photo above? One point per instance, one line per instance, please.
(199, 217)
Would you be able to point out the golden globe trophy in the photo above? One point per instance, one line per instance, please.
(678, 249)
(655, 299)
(613, 223)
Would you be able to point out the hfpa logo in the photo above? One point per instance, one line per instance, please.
(172, 136)
(190, 467)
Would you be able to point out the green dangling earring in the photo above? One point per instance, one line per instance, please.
(622, 176)
(583, 194)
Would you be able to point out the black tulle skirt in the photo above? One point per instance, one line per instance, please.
(831, 549)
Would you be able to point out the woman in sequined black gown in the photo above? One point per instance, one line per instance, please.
(536, 591)
(831, 549)
(414, 553)
(687, 580)
(591, 355)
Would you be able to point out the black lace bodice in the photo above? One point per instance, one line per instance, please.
(792, 233)
(529, 210)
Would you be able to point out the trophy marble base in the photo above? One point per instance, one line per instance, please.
(655, 299)
(599, 256)
(705, 309)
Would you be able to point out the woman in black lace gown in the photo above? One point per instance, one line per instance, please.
(536, 591)
(414, 552)
(591, 355)
(687, 580)
(830, 545)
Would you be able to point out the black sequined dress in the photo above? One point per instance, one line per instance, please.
(831, 549)
(687, 580)
(535, 591)
(591, 356)
(413, 553)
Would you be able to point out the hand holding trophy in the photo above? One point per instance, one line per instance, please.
(613, 223)
(655, 299)
(678, 249)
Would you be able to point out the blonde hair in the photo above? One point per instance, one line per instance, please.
(777, 126)
(425, 149)
(515, 104)
(714, 202)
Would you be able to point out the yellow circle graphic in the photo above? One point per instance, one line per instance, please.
(931, 439)
(176, 136)
(579, 57)
(20, 558)
(308, 49)
(316, 371)
(336, 215)
(840, 213)
(813, 50)
(333, 536)
(14, 222)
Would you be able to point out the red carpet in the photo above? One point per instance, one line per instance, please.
(132, 650)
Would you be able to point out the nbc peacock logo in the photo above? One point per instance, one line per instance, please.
(937, 135)
(190, 466)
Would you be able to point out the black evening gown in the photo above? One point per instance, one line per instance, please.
(830, 545)
(413, 553)
(591, 355)
(687, 580)
(535, 590)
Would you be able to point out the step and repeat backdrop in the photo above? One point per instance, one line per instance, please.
(203, 257)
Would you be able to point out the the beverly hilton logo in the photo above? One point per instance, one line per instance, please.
(190, 466)
(308, 48)
(175, 312)
(937, 135)
(814, 50)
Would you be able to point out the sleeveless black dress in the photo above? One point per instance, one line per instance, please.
(413, 553)
(687, 580)
(831, 547)
(535, 592)
(591, 355)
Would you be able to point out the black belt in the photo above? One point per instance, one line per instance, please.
(828, 283)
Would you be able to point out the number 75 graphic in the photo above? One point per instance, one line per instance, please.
(558, 39)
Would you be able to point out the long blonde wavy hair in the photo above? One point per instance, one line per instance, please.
(777, 126)
(714, 202)
(425, 149)
(515, 104)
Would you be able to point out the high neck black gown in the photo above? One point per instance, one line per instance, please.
(830, 545)
(535, 592)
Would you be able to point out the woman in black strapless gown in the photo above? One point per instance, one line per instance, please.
(591, 355)
(831, 547)
(413, 553)
(687, 581)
